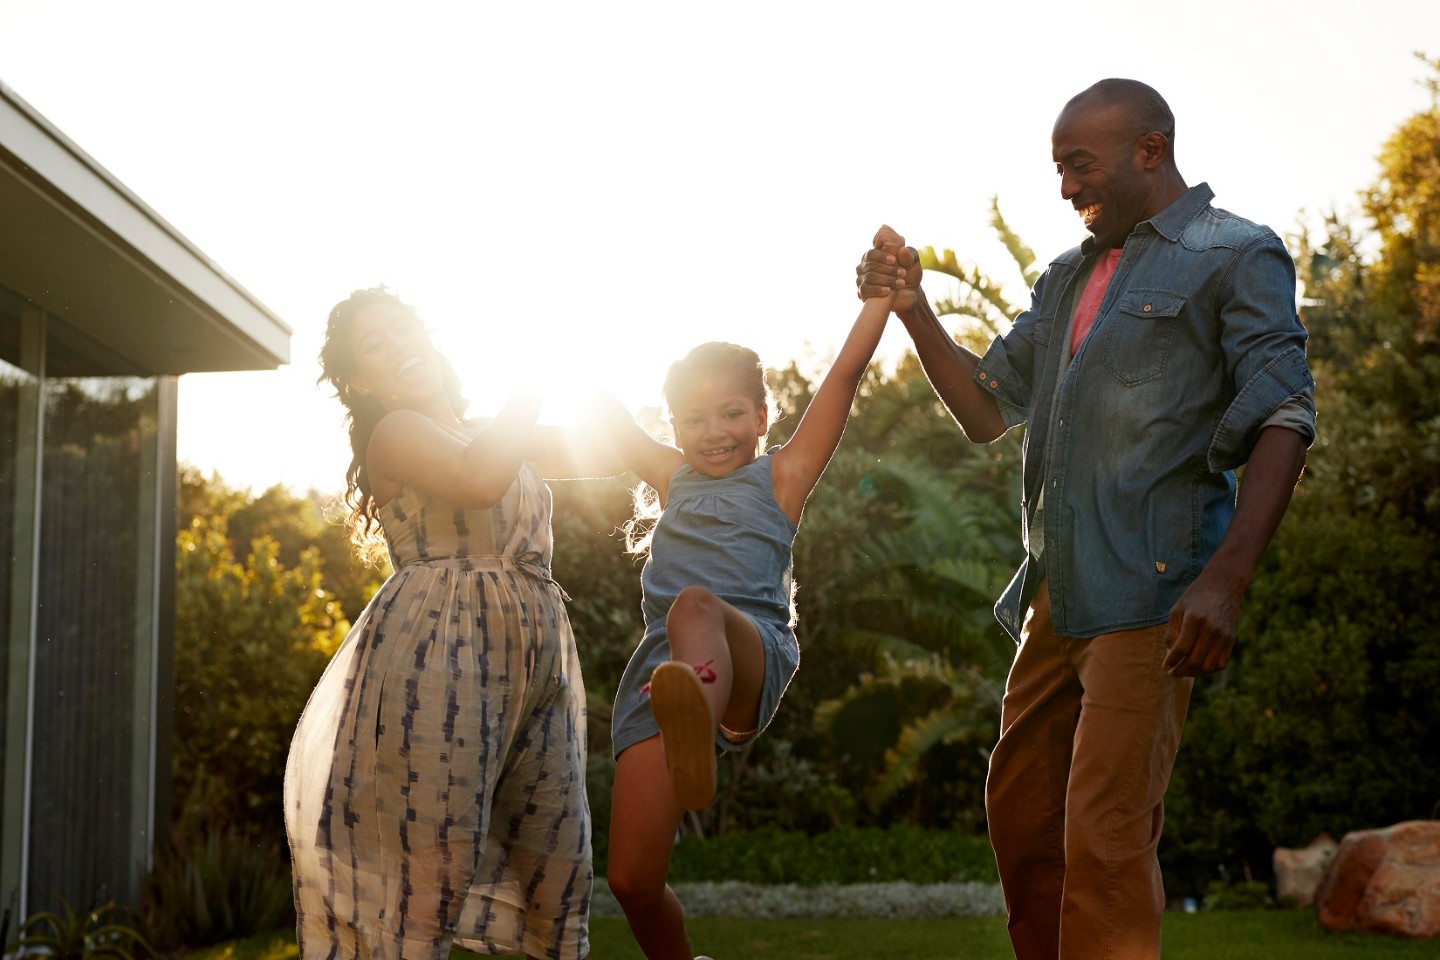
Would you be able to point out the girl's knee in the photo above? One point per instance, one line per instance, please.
(634, 889)
(693, 603)
(696, 598)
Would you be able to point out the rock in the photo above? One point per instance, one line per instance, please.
(1298, 872)
(1384, 881)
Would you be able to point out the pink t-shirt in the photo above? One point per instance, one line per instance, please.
(1091, 296)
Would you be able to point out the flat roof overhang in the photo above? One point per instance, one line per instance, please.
(75, 242)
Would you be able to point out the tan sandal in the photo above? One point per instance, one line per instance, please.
(687, 731)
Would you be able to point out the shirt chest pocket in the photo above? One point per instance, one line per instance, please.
(1140, 335)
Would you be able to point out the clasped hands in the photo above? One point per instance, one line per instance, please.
(889, 267)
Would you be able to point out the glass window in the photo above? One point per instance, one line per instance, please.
(19, 424)
(94, 623)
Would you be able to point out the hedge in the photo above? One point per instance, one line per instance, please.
(836, 857)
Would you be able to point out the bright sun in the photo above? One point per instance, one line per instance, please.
(566, 362)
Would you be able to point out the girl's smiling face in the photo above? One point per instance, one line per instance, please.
(717, 425)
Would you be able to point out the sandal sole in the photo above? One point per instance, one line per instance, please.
(686, 731)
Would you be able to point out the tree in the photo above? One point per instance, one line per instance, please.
(603, 582)
(916, 538)
(295, 522)
(252, 635)
(1334, 693)
(980, 298)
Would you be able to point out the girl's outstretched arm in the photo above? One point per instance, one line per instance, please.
(797, 466)
(653, 462)
(576, 451)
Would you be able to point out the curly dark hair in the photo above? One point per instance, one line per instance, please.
(364, 411)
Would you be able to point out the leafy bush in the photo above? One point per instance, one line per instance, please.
(1246, 895)
(868, 901)
(251, 638)
(1334, 691)
(771, 786)
(222, 888)
(837, 857)
(104, 933)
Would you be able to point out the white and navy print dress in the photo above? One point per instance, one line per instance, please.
(435, 790)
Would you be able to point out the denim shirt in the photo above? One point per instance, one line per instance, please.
(1134, 440)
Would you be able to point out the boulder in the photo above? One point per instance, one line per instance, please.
(1298, 872)
(1384, 881)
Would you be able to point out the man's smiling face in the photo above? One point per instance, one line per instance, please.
(1100, 156)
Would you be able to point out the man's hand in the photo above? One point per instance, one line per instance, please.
(1202, 625)
(889, 266)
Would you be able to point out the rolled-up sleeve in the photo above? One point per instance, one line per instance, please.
(997, 375)
(1007, 371)
(1264, 348)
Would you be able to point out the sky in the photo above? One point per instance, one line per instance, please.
(575, 193)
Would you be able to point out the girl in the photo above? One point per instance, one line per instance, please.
(435, 788)
(719, 648)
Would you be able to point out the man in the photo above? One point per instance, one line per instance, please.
(1155, 358)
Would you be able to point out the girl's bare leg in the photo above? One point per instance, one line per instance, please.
(702, 628)
(643, 819)
(715, 675)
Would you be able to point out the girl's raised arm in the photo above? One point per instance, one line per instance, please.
(797, 466)
(574, 452)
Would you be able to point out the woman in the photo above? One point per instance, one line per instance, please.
(435, 789)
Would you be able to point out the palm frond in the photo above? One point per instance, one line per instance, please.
(902, 761)
(1020, 251)
(876, 645)
(982, 299)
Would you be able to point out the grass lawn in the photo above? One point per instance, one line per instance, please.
(1227, 935)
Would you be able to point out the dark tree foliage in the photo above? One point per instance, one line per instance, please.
(1327, 719)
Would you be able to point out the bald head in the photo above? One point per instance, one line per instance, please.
(1139, 103)
(1112, 146)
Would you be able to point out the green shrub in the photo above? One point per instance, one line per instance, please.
(839, 856)
(1246, 895)
(897, 900)
(222, 888)
(251, 638)
(104, 933)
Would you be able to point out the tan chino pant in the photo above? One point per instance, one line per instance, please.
(1088, 735)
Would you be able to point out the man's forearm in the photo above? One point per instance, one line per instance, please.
(951, 371)
(1269, 481)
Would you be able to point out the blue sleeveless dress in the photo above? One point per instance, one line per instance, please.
(728, 535)
(435, 788)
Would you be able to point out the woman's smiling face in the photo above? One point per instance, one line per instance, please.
(394, 358)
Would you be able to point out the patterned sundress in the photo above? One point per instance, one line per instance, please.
(435, 789)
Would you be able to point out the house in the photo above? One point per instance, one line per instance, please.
(103, 305)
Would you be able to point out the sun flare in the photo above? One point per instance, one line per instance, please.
(567, 372)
